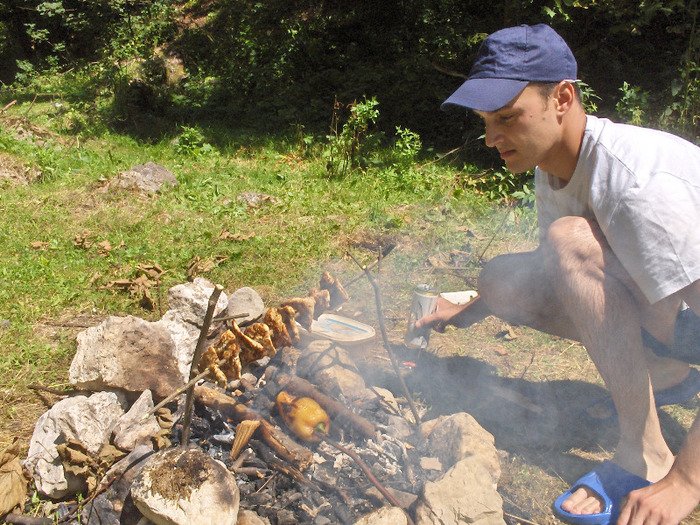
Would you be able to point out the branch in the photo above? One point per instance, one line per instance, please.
(385, 339)
(198, 351)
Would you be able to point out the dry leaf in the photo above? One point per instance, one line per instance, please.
(82, 240)
(226, 235)
(198, 266)
(13, 484)
(105, 248)
(151, 270)
(440, 260)
(39, 245)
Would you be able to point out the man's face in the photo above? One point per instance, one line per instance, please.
(525, 131)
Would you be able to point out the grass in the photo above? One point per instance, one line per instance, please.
(52, 285)
(49, 276)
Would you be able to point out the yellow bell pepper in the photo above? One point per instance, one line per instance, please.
(304, 416)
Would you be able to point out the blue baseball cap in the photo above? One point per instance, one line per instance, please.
(507, 61)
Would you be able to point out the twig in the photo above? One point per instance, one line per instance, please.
(199, 349)
(21, 519)
(452, 152)
(50, 390)
(8, 106)
(518, 518)
(386, 250)
(498, 230)
(369, 474)
(385, 339)
(229, 317)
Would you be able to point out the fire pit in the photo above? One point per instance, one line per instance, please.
(373, 461)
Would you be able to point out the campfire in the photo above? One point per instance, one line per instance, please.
(261, 417)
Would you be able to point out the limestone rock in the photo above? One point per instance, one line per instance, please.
(187, 307)
(145, 178)
(181, 487)
(248, 517)
(460, 436)
(131, 430)
(245, 301)
(127, 353)
(464, 494)
(328, 365)
(88, 420)
(384, 516)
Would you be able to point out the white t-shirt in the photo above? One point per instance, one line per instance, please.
(642, 187)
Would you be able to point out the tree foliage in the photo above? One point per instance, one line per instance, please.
(281, 62)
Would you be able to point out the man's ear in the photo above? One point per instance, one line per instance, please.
(564, 97)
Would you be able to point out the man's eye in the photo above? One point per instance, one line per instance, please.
(505, 118)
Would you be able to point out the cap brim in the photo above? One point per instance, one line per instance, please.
(484, 94)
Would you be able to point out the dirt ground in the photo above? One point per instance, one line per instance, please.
(527, 389)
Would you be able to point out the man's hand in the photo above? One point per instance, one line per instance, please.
(461, 315)
(666, 502)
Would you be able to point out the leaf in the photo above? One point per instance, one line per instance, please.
(13, 484)
(105, 248)
(226, 235)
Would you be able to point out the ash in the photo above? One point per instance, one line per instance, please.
(334, 489)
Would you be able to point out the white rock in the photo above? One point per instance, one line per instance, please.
(458, 436)
(132, 430)
(188, 305)
(464, 494)
(245, 301)
(183, 487)
(384, 516)
(88, 420)
(128, 353)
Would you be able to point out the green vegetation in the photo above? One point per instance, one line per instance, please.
(331, 109)
(67, 235)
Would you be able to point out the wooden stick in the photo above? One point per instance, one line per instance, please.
(385, 339)
(283, 445)
(336, 410)
(382, 253)
(198, 351)
(21, 519)
(179, 391)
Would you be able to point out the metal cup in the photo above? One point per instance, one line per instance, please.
(424, 303)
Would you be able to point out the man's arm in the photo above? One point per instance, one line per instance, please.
(460, 315)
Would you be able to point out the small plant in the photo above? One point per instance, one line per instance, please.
(191, 142)
(407, 147)
(634, 104)
(588, 97)
(346, 147)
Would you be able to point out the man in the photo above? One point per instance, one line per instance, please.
(619, 255)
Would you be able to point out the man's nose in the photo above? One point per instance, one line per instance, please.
(492, 136)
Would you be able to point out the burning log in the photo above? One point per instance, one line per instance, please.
(282, 444)
(340, 414)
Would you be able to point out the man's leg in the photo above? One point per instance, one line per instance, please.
(676, 495)
(607, 310)
(517, 289)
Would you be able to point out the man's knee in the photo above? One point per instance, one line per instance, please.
(506, 284)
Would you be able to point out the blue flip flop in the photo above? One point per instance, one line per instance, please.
(609, 481)
(680, 393)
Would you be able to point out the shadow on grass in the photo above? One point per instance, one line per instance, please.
(542, 422)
